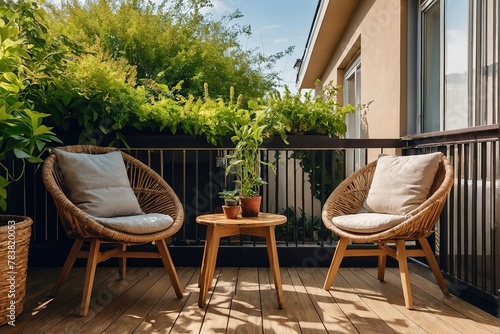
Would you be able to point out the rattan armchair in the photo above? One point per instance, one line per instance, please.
(348, 198)
(154, 196)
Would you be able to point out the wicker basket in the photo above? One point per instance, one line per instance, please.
(15, 232)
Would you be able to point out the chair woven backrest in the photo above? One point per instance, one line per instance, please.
(349, 196)
(153, 194)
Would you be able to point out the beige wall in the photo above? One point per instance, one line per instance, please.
(378, 29)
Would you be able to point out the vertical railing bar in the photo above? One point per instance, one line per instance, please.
(303, 198)
(494, 150)
(444, 227)
(466, 211)
(460, 204)
(197, 190)
(451, 215)
(162, 162)
(484, 226)
(295, 232)
(287, 178)
(474, 233)
(267, 178)
(211, 181)
(184, 186)
(277, 158)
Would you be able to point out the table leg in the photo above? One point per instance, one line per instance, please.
(208, 266)
(274, 264)
(208, 236)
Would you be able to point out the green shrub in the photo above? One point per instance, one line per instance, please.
(22, 134)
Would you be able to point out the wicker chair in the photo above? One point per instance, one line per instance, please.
(154, 196)
(348, 199)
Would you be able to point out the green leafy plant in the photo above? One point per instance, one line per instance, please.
(300, 225)
(304, 113)
(230, 197)
(22, 134)
(213, 118)
(245, 161)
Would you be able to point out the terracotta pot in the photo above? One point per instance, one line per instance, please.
(250, 206)
(231, 212)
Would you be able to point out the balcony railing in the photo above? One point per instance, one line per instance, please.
(307, 170)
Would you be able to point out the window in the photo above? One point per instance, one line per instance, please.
(459, 82)
(352, 95)
(456, 64)
(431, 68)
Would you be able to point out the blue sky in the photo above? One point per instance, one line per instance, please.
(276, 25)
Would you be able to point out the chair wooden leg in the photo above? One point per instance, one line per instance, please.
(169, 266)
(403, 271)
(89, 276)
(429, 254)
(382, 260)
(68, 264)
(337, 259)
(122, 263)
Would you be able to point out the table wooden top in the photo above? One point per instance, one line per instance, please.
(263, 219)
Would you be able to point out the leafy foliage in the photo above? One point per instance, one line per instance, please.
(245, 160)
(305, 113)
(22, 65)
(300, 226)
(230, 197)
(97, 94)
(170, 42)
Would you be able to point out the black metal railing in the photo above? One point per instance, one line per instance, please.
(468, 234)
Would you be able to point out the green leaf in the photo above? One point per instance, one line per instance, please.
(21, 154)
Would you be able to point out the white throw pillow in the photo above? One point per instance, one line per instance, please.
(98, 183)
(401, 184)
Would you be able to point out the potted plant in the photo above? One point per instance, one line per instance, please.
(244, 163)
(231, 206)
(22, 137)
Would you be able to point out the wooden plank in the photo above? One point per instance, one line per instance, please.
(37, 281)
(163, 315)
(245, 313)
(468, 310)
(329, 312)
(379, 303)
(103, 301)
(275, 320)
(417, 320)
(191, 315)
(420, 315)
(361, 316)
(133, 315)
(309, 320)
(217, 316)
(450, 308)
(67, 303)
(39, 292)
(244, 301)
(118, 306)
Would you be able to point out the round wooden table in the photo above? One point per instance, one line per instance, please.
(218, 226)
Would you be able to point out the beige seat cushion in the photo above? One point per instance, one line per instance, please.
(138, 224)
(401, 184)
(98, 183)
(367, 222)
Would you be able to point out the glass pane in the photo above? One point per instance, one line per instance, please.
(456, 64)
(350, 98)
(490, 80)
(431, 69)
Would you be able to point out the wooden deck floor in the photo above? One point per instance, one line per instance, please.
(244, 301)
